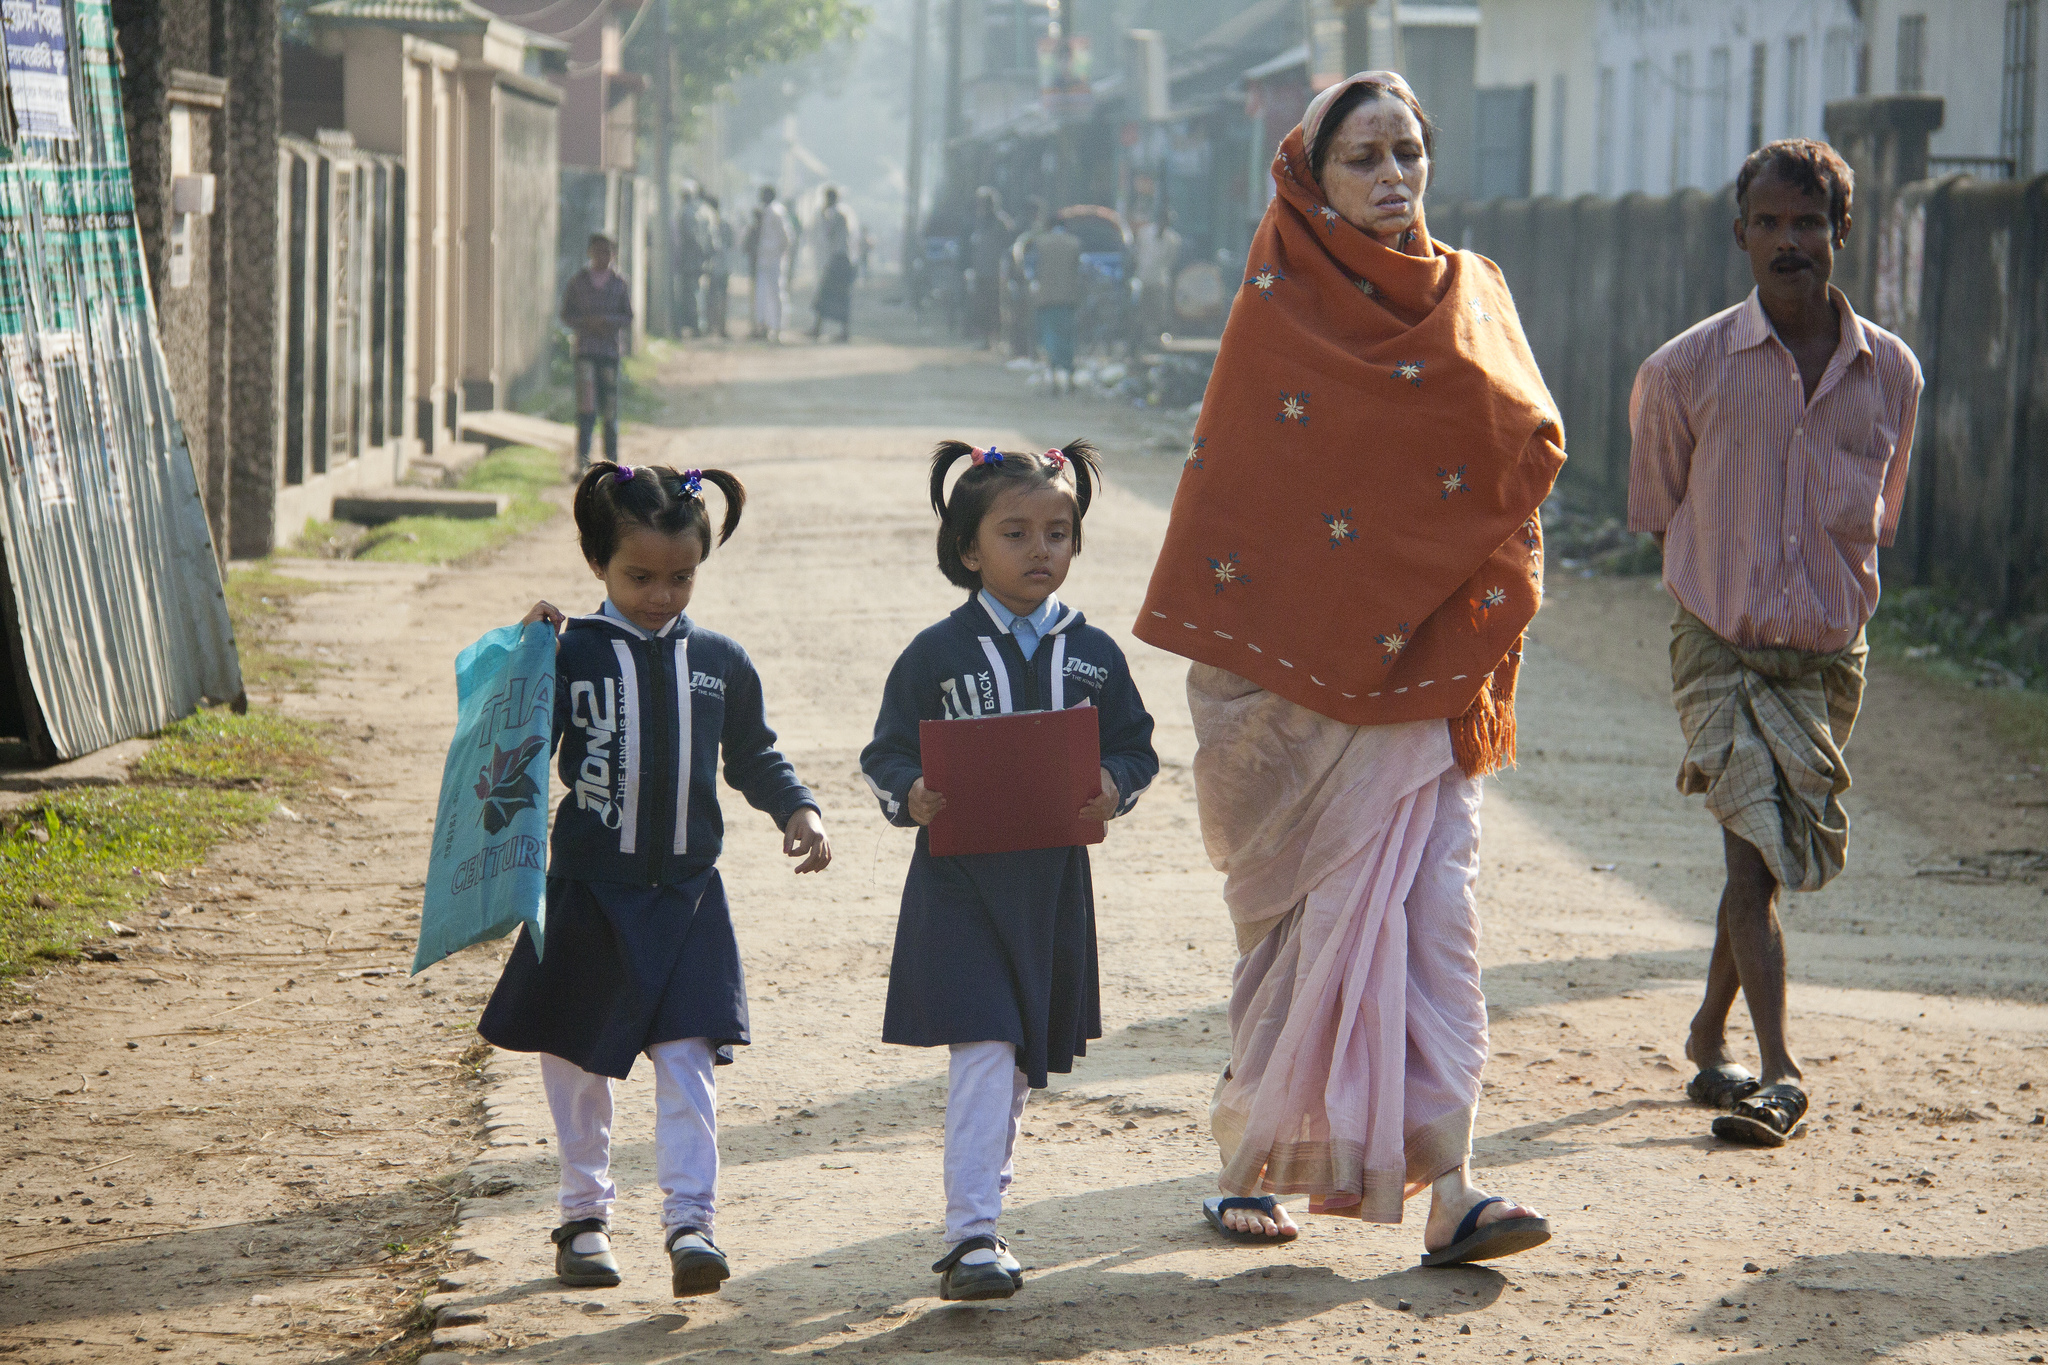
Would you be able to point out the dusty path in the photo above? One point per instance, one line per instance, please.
(1910, 1226)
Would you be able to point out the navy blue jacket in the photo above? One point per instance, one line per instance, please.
(970, 665)
(627, 705)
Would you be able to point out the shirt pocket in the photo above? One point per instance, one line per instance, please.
(1850, 491)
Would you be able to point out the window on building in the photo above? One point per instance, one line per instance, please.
(1759, 71)
(1638, 122)
(1557, 125)
(2016, 103)
(1720, 106)
(1507, 134)
(1838, 65)
(1683, 98)
(1912, 53)
(1603, 133)
(1795, 86)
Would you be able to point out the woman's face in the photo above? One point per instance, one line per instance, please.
(1377, 168)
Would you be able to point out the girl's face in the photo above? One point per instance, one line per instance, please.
(1024, 546)
(651, 574)
(1377, 168)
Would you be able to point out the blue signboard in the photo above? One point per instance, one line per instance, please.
(38, 67)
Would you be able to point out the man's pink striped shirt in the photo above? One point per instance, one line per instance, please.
(1772, 507)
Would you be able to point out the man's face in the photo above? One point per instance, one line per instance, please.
(1787, 236)
(600, 257)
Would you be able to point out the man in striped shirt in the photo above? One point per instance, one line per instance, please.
(1769, 458)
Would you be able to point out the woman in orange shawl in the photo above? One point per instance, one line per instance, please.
(1353, 555)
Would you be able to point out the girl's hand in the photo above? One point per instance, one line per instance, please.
(544, 611)
(925, 804)
(1103, 807)
(804, 837)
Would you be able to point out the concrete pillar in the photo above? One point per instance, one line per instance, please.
(1884, 139)
(251, 63)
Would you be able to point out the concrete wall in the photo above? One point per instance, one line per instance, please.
(511, 234)
(1963, 277)
(249, 222)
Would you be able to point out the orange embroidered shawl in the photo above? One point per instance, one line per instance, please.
(1355, 527)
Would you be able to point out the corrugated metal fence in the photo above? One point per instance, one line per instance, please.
(115, 620)
(341, 294)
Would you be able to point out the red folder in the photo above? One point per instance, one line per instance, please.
(1013, 782)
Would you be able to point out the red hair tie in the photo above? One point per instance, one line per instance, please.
(1056, 459)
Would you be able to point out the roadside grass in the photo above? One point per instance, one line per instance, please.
(72, 861)
(263, 750)
(524, 472)
(259, 599)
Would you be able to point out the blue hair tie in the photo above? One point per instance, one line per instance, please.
(693, 482)
(989, 456)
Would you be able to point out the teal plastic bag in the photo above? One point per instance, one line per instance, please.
(487, 873)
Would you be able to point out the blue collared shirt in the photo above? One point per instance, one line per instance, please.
(1027, 630)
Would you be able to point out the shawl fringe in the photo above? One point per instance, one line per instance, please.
(1483, 739)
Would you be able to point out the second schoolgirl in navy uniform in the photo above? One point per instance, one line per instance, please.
(995, 952)
(640, 949)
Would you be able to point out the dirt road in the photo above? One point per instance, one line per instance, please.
(1908, 1223)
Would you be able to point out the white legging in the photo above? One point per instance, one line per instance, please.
(685, 1133)
(985, 1097)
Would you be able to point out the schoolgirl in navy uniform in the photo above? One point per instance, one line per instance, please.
(640, 949)
(995, 953)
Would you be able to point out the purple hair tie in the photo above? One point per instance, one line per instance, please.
(693, 482)
(623, 474)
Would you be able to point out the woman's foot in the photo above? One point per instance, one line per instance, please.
(1468, 1224)
(1445, 1214)
(1256, 1221)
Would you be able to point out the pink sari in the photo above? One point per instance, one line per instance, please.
(1358, 1030)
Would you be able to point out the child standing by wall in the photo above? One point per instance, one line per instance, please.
(995, 952)
(640, 950)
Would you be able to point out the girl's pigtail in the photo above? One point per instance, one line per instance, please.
(1087, 467)
(943, 459)
(594, 530)
(735, 499)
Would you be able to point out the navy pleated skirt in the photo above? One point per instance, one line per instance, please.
(626, 967)
(997, 947)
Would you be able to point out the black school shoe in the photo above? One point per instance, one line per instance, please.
(695, 1270)
(576, 1270)
(998, 1279)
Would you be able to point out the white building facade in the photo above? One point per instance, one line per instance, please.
(1654, 96)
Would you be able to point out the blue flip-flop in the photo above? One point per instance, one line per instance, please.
(1502, 1237)
(1214, 1207)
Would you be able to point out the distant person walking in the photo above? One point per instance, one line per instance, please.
(720, 249)
(1769, 459)
(988, 245)
(688, 255)
(835, 284)
(1051, 259)
(1158, 257)
(597, 306)
(770, 242)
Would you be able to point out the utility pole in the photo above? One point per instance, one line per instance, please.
(913, 164)
(956, 113)
(663, 283)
